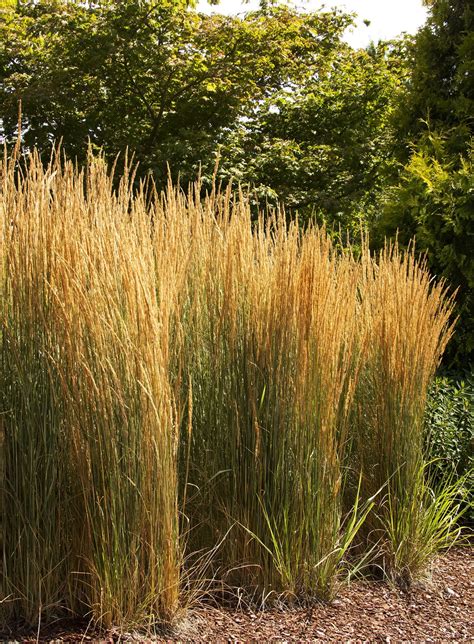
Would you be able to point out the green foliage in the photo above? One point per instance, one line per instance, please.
(288, 107)
(325, 147)
(449, 428)
(8, 5)
(158, 78)
(434, 199)
(442, 82)
(434, 202)
(422, 522)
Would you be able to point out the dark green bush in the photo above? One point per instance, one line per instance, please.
(450, 432)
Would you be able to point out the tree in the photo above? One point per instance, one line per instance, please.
(156, 77)
(434, 197)
(325, 147)
(441, 88)
(434, 203)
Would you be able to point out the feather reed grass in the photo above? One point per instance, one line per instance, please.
(181, 384)
(90, 491)
(408, 318)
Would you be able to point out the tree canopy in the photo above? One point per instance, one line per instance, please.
(156, 77)
(434, 197)
(326, 147)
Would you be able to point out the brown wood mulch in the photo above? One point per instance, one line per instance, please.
(441, 609)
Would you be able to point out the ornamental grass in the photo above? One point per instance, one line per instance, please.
(189, 392)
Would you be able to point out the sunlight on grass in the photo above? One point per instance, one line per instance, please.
(186, 388)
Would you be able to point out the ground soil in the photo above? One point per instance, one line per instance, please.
(440, 609)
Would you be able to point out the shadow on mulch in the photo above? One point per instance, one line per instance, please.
(441, 609)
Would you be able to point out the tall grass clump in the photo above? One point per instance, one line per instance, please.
(90, 437)
(34, 546)
(272, 354)
(407, 317)
(187, 392)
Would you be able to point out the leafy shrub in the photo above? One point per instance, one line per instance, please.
(449, 423)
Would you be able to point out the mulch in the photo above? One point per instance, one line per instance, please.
(441, 609)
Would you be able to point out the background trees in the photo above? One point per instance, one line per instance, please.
(156, 77)
(326, 146)
(434, 197)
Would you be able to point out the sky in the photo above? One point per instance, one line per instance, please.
(388, 18)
